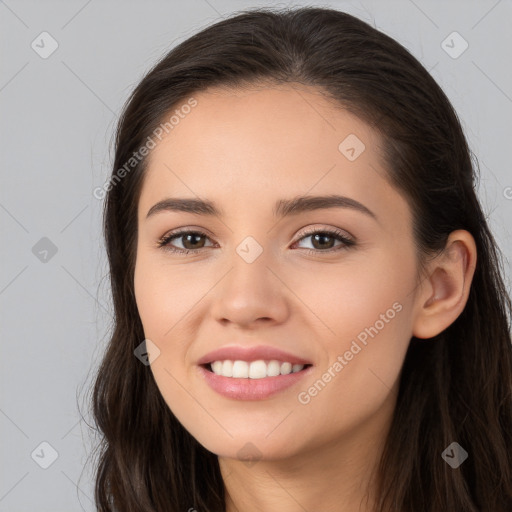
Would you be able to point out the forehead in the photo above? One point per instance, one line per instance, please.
(281, 117)
(267, 142)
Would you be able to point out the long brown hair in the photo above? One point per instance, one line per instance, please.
(454, 387)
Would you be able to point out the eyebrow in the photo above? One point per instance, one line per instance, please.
(282, 208)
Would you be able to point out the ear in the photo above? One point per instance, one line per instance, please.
(445, 290)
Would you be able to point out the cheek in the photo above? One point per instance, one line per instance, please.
(160, 303)
(359, 297)
(368, 313)
(362, 374)
(361, 377)
(165, 296)
(166, 299)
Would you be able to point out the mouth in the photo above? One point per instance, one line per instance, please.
(258, 372)
(246, 384)
(255, 380)
(259, 369)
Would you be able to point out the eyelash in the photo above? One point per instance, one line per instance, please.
(336, 233)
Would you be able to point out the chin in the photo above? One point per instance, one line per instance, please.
(249, 447)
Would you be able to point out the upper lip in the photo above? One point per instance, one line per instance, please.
(249, 354)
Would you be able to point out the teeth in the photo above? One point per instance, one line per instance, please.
(273, 369)
(227, 368)
(255, 369)
(216, 367)
(286, 368)
(240, 370)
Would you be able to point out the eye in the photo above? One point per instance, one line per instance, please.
(322, 241)
(189, 238)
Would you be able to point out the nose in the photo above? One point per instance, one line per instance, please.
(251, 294)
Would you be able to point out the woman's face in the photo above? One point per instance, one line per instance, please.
(257, 275)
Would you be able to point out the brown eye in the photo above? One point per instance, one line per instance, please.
(324, 240)
(190, 240)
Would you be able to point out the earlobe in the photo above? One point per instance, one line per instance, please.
(445, 290)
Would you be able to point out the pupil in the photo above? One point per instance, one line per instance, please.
(321, 236)
(192, 236)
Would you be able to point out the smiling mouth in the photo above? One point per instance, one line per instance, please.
(258, 369)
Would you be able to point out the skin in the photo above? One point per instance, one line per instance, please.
(245, 150)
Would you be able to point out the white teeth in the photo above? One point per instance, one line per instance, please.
(240, 370)
(217, 367)
(273, 369)
(255, 369)
(286, 368)
(227, 368)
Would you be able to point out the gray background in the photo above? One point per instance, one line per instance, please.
(57, 119)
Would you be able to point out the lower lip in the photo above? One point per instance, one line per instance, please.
(251, 389)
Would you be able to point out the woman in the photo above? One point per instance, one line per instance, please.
(309, 305)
